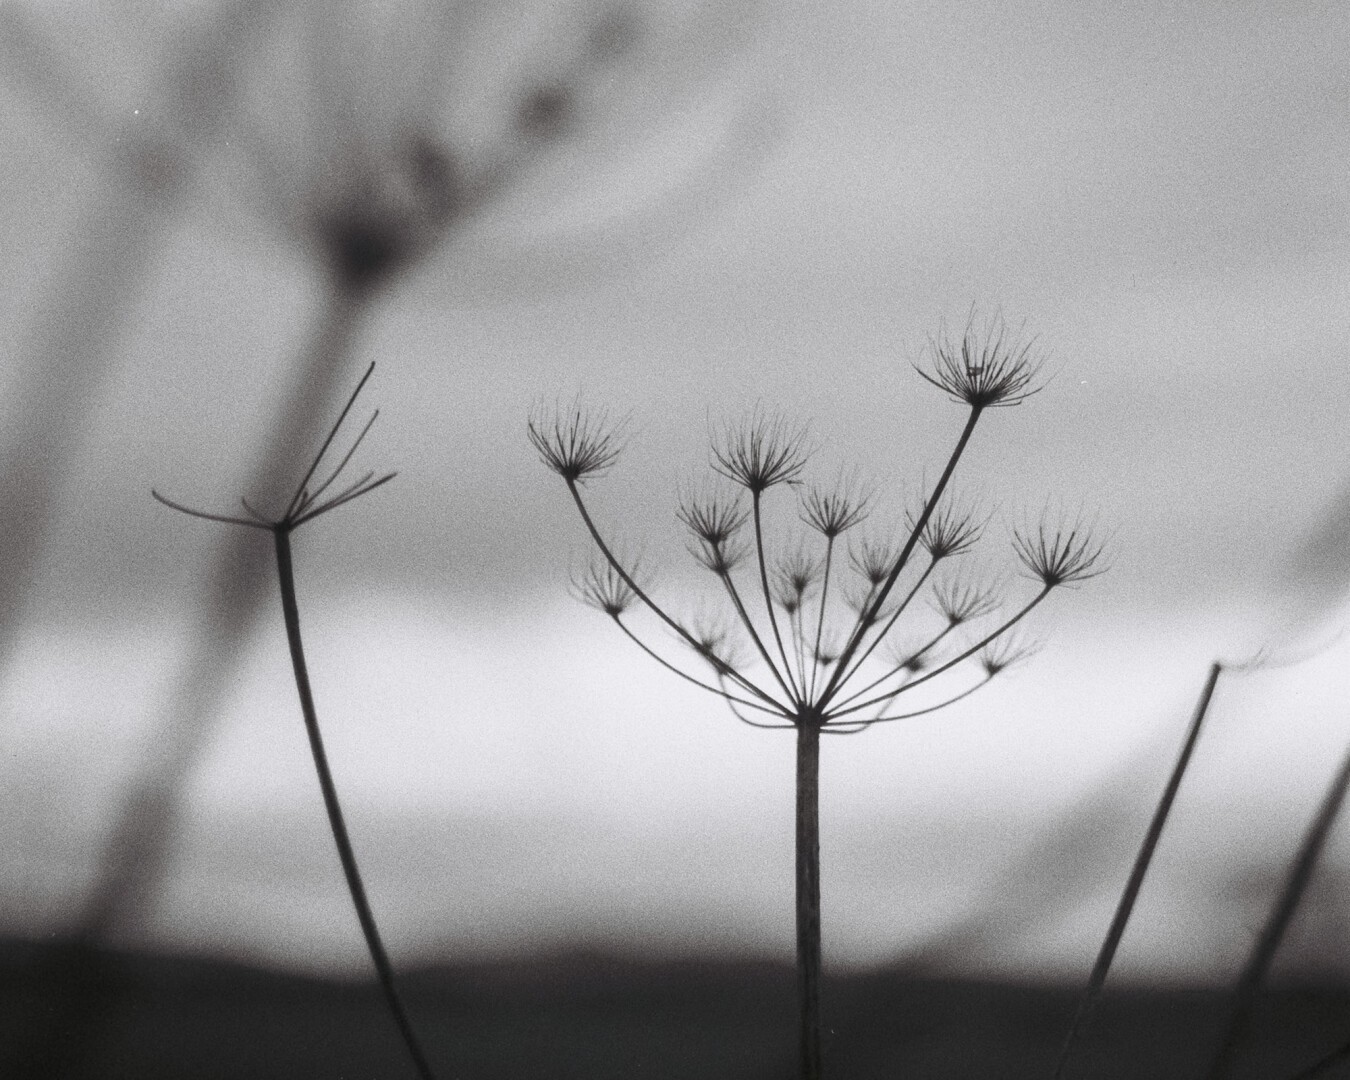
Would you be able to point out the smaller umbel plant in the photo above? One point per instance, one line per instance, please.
(312, 500)
(809, 637)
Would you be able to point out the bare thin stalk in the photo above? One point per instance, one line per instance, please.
(820, 619)
(808, 899)
(1268, 944)
(793, 692)
(1088, 1002)
(799, 641)
(384, 972)
(722, 693)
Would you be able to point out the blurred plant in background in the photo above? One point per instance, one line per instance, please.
(367, 137)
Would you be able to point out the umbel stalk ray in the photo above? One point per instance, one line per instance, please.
(384, 971)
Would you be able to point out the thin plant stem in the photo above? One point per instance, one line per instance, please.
(1088, 1002)
(808, 898)
(383, 970)
(1268, 944)
(820, 619)
(722, 693)
(793, 692)
(799, 641)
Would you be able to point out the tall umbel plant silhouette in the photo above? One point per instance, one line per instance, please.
(809, 640)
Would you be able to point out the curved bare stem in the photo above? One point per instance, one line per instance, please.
(380, 958)
(721, 676)
(226, 519)
(639, 592)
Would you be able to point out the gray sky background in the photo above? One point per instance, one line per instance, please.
(1157, 189)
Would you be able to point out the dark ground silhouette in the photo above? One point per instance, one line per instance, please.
(597, 1017)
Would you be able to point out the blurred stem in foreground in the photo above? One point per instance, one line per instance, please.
(64, 358)
(306, 504)
(1268, 944)
(1135, 882)
(130, 863)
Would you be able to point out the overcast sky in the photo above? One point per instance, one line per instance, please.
(775, 208)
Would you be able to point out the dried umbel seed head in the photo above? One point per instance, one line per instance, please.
(874, 558)
(715, 640)
(1059, 555)
(1004, 652)
(827, 652)
(950, 530)
(984, 369)
(909, 656)
(960, 601)
(721, 558)
(602, 587)
(712, 516)
(837, 509)
(573, 443)
(797, 573)
(761, 452)
(859, 601)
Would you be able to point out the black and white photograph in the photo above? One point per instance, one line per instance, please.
(674, 540)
